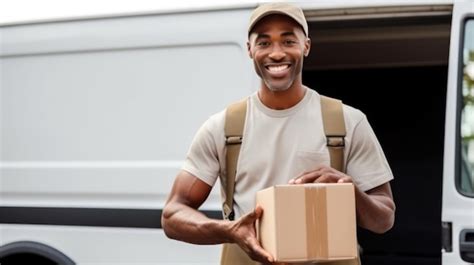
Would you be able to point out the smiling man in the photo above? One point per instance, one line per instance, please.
(283, 142)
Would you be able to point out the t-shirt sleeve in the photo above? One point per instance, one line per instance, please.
(202, 157)
(366, 162)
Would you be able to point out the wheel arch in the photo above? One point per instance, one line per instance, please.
(31, 247)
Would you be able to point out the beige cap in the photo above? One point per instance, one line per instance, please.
(278, 8)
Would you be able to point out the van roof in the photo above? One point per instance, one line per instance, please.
(67, 14)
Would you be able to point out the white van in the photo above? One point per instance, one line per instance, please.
(97, 114)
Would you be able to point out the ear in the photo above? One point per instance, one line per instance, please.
(307, 47)
(249, 50)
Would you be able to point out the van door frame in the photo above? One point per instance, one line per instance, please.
(457, 214)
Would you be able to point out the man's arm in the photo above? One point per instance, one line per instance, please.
(182, 221)
(375, 208)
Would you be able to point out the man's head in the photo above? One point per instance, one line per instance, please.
(278, 8)
(278, 42)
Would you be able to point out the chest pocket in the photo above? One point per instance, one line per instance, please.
(305, 161)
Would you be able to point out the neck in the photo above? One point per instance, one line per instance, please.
(280, 100)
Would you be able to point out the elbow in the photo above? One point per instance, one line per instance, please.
(166, 224)
(384, 224)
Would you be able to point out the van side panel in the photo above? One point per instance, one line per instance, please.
(99, 113)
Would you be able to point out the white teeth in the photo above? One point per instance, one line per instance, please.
(277, 68)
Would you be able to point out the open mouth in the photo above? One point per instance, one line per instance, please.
(277, 68)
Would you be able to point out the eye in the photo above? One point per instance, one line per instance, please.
(289, 42)
(263, 43)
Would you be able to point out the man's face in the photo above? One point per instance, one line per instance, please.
(277, 45)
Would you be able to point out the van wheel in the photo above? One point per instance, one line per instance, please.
(26, 258)
(28, 252)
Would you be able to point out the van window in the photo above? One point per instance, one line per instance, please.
(466, 180)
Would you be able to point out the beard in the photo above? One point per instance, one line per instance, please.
(280, 84)
(278, 87)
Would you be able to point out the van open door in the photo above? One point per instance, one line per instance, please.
(458, 173)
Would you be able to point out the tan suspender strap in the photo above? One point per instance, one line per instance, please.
(335, 130)
(234, 128)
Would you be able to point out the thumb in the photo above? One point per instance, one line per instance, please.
(256, 214)
(258, 211)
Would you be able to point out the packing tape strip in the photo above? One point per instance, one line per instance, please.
(316, 222)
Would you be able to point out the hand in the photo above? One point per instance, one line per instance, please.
(244, 234)
(322, 174)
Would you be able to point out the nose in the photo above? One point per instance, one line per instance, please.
(277, 53)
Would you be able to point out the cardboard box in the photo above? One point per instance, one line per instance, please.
(310, 222)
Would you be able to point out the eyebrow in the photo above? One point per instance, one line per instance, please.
(288, 33)
(262, 36)
(284, 34)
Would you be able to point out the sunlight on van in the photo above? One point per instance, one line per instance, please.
(467, 114)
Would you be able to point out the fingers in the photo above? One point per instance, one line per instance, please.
(322, 174)
(326, 178)
(250, 243)
(256, 252)
(306, 177)
(345, 179)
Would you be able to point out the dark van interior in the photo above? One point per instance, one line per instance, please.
(394, 69)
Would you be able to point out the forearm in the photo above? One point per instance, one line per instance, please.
(374, 212)
(186, 224)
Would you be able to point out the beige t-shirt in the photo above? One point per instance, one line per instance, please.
(281, 144)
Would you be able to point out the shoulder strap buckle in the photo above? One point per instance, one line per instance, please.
(228, 212)
(334, 129)
(233, 140)
(335, 140)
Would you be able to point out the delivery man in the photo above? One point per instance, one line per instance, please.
(283, 142)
